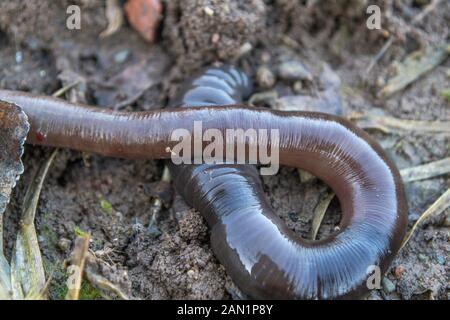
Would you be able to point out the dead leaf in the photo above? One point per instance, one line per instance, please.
(144, 16)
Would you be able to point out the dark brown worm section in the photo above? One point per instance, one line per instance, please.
(263, 256)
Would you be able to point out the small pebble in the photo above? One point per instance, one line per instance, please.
(297, 87)
(215, 38)
(265, 57)
(208, 11)
(265, 77)
(447, 73)
(121, 56)
(388, 285)
(447, 221)
(293, 70)
(293, 216)
(245, 49)
(440, 259)
(192, 274)
(153, 231)
(19, 57)
(305, 176)
(329, 78)
(64, 244)
(381, 82)
(398, 272)
(422, 257)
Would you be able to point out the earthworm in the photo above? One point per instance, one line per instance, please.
(260, 253)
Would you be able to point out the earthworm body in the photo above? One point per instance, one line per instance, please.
(261, 254)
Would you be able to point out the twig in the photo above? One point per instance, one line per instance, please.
(380, 53)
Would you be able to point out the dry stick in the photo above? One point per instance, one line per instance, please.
(436, 208)
(388, 124)
(426, 171)
(380, 53)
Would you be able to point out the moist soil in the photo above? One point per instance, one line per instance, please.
(172, 258)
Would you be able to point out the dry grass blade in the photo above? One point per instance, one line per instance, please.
(414, 66)
(115, 18)
(78, 260)
(101, 283)
(442, 203)
(27, 270)
(58, 93)
(380, 54)
(426, 171)
(157, 204)
(319, 213)
(5, 271)
(391, 124)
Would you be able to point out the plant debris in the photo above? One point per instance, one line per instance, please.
(76, 266)
(115, 18)
(413, 67)
(124, 88)
(108, 289)
(27, 275)
(13, 132)
(319, 213)
(390, 124)
(442, 203)
(426, 171)
(144, 16)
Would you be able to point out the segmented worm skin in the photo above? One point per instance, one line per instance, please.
(264, 257)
